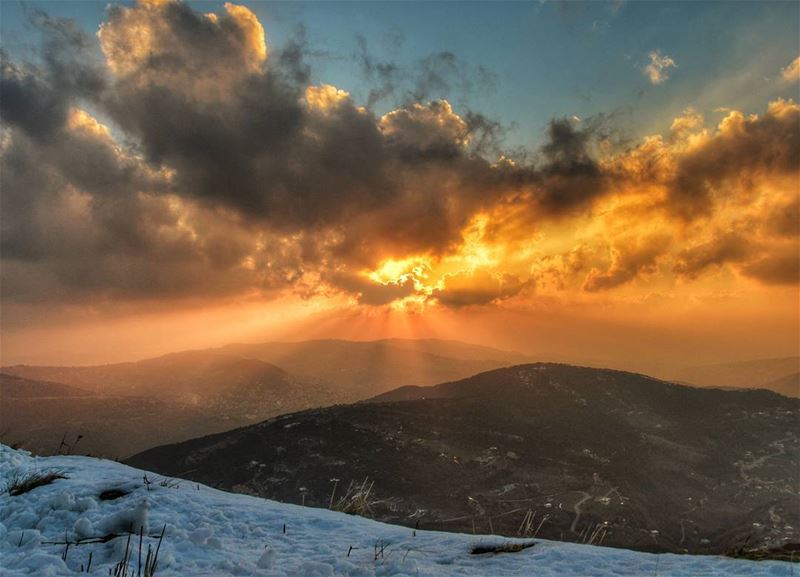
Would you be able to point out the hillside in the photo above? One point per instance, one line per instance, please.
(13, 387)
(48, 417)
(660, 466)
(788, 385)
(121, 409)
(208, 533)
(779, 375)
(190, 376)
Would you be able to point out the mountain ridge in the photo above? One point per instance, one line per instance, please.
(584, 447)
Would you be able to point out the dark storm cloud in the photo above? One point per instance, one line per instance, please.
(28, 101)
(570, 177)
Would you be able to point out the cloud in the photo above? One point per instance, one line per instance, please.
(38, 99)
(386, 74)
(478, 287)
(432, 129)
(168, 44)
(722, 248)
(369, 292)
(698, 169)
(628, 261)
(657, 70)
(687, 123)
(781, 266)
(570, 178)
(439, 75)
(792, 72)
(191, 162)
(783, 219)
(743, 147)
(326, 97)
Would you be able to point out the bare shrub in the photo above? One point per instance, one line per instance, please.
(20, 483)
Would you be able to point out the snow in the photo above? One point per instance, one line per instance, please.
(214, 533)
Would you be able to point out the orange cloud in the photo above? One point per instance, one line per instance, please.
(792, 72)
(629, 260)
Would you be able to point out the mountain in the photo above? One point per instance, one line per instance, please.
(654, 465)
(353, 369)
(191, 375)
(211, 533)
(456, 349)
(127, 407)
(779, 375)
(788, 385)
(99, 424)
(124, 408)
(13, 387)
(366, 368)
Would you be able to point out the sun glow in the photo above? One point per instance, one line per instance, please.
(392, 271)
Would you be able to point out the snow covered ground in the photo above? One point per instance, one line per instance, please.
(210, 532)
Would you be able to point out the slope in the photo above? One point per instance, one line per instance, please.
(658, 466)
(207, 532)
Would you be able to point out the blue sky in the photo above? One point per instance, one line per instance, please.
(523, 63)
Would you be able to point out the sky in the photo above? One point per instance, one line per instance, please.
(615, 183)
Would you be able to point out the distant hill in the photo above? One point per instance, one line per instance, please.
(191, 393)
(190, 375)
(366, 368)
(779, 375)
(13, 387)
(123, 408)
(353, 369)
(457, 350)
(788, 385)
(654, 464)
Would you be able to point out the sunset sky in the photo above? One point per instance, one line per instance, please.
(615, 183)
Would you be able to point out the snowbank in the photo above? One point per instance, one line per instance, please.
(210, 532)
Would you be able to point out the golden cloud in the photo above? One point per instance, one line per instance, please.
(427, 128)
(792, 72)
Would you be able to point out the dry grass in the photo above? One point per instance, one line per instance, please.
(20, 483)
(357, 500)
(124, 568)
(788, 552)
